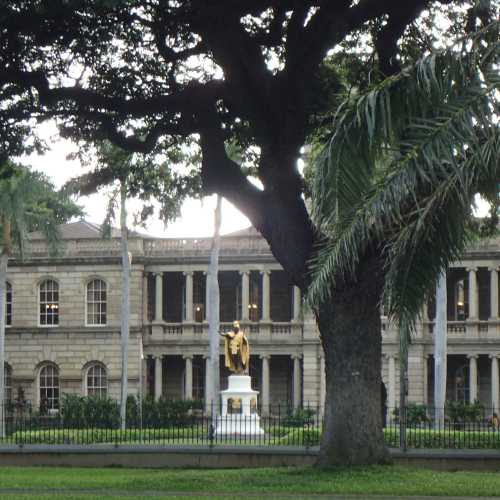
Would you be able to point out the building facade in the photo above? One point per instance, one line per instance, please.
(63, 323)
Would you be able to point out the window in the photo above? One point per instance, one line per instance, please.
(8, 305)
(8, 383)
(49, 388)
(96, 302)
(97, 382)
(49, 303)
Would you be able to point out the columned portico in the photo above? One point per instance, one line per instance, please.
(189, 296)
(266, 295)
(472, 378)
(297, 303)
(297, 382)
(265, 384)
(473, 309)
(391, 390)
(495, 390)
(322, 384)
(493, 293)
(245, 295)
(158, 376)
(158, 297)
(188, 380)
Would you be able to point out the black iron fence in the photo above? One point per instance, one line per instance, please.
(461, 427)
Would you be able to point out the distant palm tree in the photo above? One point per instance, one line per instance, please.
(28, 202)
(400, 170)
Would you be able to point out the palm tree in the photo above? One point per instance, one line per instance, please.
(400, 170)
(28, 202)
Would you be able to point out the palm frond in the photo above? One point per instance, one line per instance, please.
(400, 171)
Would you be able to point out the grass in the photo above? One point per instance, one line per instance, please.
(88, 483)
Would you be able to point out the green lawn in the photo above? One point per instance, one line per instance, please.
(43, 482)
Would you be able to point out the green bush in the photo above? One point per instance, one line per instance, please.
(301, 437)
(444, 439)
(110, 436)
(460, 411)
(80, 412)
(299, 417)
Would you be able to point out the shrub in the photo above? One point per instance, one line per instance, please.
(460, 411)
(301, 437)
(299, 417)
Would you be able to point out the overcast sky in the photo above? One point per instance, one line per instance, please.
(197, 216)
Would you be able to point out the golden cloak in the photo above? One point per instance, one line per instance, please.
(236, 344)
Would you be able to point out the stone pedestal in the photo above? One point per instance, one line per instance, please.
(239, 415)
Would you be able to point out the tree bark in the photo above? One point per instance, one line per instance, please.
(350, 330)
(125, 304)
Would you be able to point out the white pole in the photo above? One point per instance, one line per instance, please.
(440, 333)
(125, 311)
(213, 301)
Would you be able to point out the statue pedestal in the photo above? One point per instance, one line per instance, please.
(239, 409)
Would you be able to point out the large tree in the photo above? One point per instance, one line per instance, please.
(151, 74)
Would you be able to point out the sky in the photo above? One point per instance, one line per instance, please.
(197, 218)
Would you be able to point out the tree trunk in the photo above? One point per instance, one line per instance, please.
(350, 330)
(125, 310)
(213, 314)
(440, 331)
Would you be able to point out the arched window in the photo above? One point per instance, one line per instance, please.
(49, 303)
(8, 383)
(96, 302)
(49, 387)
(97, 381)
(8, 305)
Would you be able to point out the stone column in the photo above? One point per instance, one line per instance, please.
(425, 375)
(158, 376)
(494, 293)
(266, 295)
(472, 378)
(159, 297)
(189, 296)
(245, 294)
(297, 303)
(188, 386)
(391, 390)
(322, 384)
(297, 379)
(495, 396)
(265, 383)
(145, 298)
(472, 293)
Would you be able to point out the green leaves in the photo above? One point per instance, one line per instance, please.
(401, 169)
(29, 202)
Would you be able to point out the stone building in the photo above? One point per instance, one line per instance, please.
(63, 322)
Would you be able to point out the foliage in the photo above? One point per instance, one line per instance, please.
(460, 411)
(80, 412)
(415, 414)
(400, 170)
(297, 417)
(301, 437)
(444, 439)
(30, 202)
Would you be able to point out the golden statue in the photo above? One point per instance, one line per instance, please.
(236, 350)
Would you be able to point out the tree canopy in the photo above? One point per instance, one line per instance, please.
(153, 74)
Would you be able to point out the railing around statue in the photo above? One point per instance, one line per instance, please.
(178, 423)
